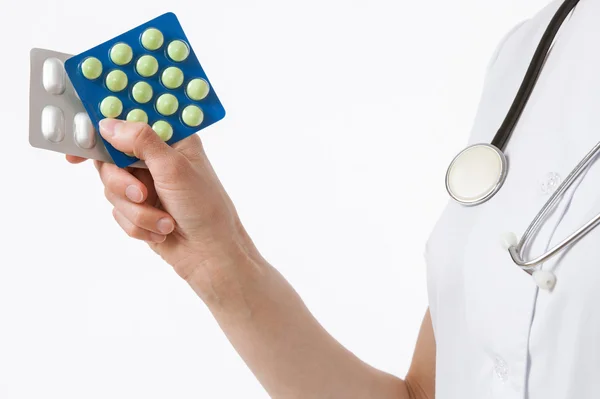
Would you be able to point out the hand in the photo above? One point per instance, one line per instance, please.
(178, 205)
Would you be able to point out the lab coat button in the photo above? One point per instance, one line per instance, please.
(501, 369)
(551, 183)
(544, 279)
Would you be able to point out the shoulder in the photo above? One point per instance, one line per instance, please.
(522, 39)
(505, 72)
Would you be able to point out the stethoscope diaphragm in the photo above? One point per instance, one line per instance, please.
(476, 174)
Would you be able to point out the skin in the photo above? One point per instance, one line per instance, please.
(179, 207)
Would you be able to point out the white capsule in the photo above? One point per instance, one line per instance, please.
(53, 124)
(85, 135)
(509, 240)
(53, 76)
(544, 279)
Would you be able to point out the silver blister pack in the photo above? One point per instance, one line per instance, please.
(57, 119)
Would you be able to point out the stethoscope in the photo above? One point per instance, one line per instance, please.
(478, 172)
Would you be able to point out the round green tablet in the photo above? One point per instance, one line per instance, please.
(141, 92)
(152, 39)
(197, 89)
(167, 104)
(91, 68)
(116, 80)
(178, 51)
(111, 107)
(172, 77)
(163, 129)
(121, 54)
(146, 66)
(192, 115)
(137, 115)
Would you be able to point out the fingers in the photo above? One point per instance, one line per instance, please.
(138, 138)
(121, 182)
(136, 232)
(143, 216)
(74, 160)
(127, 194)
(144, 176)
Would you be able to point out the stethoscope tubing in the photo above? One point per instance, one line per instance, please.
(536, 65)
(516, 251)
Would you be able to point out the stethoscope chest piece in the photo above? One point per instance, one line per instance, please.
(476, 174)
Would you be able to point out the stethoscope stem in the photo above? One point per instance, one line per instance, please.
(531, 265)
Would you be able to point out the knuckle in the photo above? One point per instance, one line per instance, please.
(135, 232)
(137, 217)
(191, 147)
(144, 129)
(175, 165)
(147, 144)
(143, 136)
(108, 178)
(180, 161)
(177, 162)
(108, 194)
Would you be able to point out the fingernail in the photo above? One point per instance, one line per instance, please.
(157, 238)
(165, 226)
(108, 127)
(134, 194)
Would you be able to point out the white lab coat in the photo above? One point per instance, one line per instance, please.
(498, 335)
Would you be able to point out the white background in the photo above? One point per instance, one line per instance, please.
(342, 117)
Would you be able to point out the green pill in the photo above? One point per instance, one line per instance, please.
(192, 115)
(111, 107)
(197, 89)
(142, 92)
(116, 80)
(91, 68)
(146, 66)
(152, 39)
(121, 54)
(172, 77)
(167, 104)
(163, 129)
(178, 51)
(137, 115)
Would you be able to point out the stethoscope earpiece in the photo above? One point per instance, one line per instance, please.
(544, 279)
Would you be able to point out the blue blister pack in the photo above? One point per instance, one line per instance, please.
(148, 74)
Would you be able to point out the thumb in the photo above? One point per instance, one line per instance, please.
(139, 139)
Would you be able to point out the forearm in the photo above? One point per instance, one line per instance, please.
(180, 208)
(278, 338)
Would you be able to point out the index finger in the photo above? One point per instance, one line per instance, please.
(73, 159)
